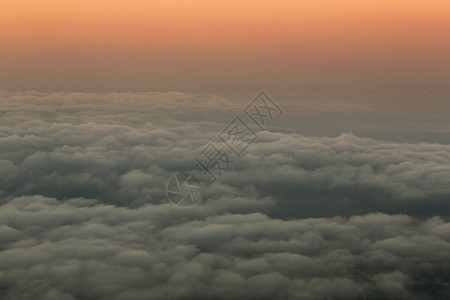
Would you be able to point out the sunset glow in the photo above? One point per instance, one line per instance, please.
(222, 44)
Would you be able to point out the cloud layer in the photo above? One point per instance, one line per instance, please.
(84, 213)
(79, 250)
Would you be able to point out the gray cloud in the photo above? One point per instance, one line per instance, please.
(84, 213)
(89, 251)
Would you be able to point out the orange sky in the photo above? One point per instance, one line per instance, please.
(207, 45)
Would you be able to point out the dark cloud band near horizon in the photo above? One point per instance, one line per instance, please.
(84, 213)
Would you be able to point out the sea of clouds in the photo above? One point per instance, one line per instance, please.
(84, 213)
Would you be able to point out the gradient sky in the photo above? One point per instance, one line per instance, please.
(346, 195)
(222, 45)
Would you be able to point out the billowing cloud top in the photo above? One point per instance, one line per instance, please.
(84, 213)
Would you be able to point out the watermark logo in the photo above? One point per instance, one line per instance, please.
(213, 161)
(184, 190)
(262, 109)
(229, 145)
(238, 136)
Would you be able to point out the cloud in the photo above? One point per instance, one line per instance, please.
(103, 251)
(84, 213)
(350, 174)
